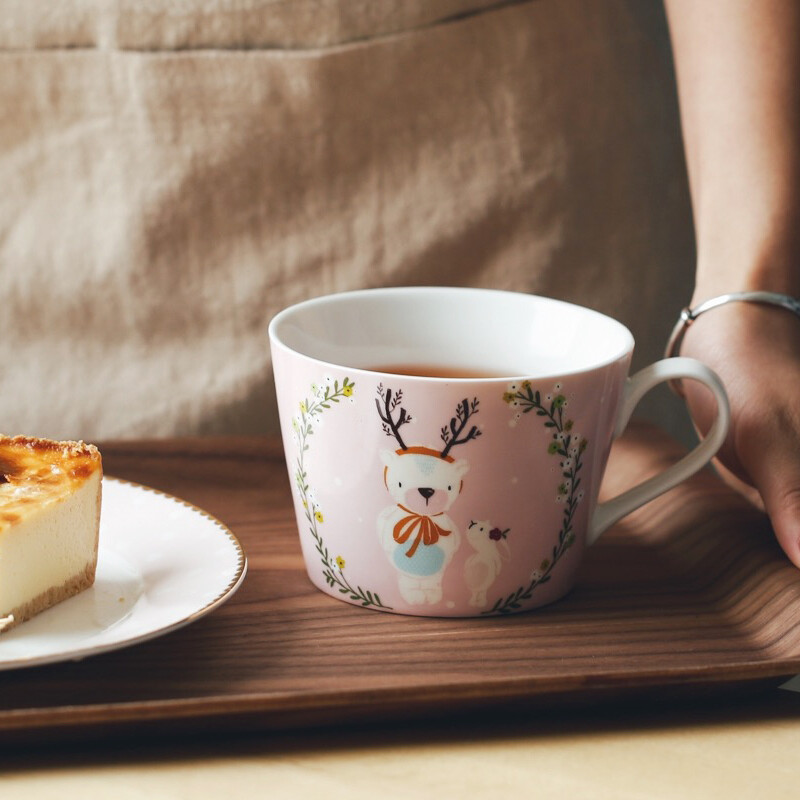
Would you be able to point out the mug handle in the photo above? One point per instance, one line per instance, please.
(606, 514)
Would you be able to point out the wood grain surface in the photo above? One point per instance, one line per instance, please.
(690, 592)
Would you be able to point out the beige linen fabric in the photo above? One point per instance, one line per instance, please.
(174, 173)
(217, 24)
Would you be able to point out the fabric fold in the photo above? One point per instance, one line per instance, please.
(164, 25)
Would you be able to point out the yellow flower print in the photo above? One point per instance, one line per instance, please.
(305, 422)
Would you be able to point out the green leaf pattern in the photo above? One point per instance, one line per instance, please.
(333, 567)
(566, 444)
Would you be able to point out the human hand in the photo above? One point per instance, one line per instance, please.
(755, 349)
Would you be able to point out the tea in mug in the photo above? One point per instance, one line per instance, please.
(440, 371)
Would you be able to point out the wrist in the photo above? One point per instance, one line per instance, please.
(777, 277)
(772, 267)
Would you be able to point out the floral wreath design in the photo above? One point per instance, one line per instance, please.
(570, 447)
(310, 412)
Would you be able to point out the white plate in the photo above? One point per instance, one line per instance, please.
(162, 564)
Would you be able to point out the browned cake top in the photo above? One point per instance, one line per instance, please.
(34, 470)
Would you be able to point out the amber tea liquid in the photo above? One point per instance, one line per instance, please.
(439, 371)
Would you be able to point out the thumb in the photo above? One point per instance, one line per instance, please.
(775, 471)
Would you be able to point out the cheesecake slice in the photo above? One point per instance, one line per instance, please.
(49, 523)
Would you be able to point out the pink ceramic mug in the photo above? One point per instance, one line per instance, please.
(470, 487)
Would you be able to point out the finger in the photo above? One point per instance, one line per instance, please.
(776, 474)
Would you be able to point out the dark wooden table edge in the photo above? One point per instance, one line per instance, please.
(289, 711)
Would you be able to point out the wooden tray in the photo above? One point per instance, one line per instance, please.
(690, 593)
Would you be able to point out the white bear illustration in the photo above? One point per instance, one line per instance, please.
(416, 533)
(482, 567)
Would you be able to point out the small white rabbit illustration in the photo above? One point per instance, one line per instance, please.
(483, 566)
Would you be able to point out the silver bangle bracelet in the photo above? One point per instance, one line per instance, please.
(689, 315)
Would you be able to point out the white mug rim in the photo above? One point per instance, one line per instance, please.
(286, 314)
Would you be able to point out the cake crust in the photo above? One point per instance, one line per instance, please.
(50, 597)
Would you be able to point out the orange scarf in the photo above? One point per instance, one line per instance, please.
(428, 532)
